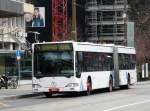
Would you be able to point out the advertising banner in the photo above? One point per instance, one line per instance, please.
(37, 19)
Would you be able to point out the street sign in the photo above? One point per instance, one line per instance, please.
(18, 54)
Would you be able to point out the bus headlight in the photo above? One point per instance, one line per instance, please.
(72, 85)
(34, 80)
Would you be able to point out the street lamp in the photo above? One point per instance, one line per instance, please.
(125, 22)
(125, 28)
(74, 20)
(36, 35)
(2, 34)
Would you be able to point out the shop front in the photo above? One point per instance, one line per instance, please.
(9, 66)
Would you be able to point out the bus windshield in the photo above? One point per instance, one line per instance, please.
(53, 63)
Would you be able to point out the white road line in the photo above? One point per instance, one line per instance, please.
(128, 105)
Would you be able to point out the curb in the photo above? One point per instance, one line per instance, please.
(21, 96)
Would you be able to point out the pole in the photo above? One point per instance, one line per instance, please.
(74, 21)
(19, 72)
(3, 46)
(125, 23)
(35, 37)
(114, 23)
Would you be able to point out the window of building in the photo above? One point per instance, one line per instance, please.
(14, 21)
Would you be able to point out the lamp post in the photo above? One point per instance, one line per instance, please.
(125, 22)
(3, 44)
(74, 21)
(125, 28)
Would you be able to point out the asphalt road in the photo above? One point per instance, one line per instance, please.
(135, 99)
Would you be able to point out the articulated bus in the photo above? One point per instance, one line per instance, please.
(60, 67)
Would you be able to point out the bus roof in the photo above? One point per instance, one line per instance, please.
(84, 43)
(79, 46)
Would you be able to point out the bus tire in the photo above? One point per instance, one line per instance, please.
(89, 86)
(48, 95)
(110, 88)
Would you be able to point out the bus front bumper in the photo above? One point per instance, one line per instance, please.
(57, 90)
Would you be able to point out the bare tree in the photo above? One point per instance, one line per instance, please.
(140, 14)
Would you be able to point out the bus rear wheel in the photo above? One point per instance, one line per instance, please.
(89, 87)
(47, 94)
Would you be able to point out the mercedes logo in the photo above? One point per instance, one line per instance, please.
(53, 84)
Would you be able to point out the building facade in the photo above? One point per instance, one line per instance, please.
(11, 23)
(106, 21)
(12, 34)
(101, 21)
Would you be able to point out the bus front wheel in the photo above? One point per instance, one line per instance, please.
(89, 86)
(48, 95)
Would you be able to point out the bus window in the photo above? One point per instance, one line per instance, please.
(94, 61)
(127, 61)
(79, 63)
(58, 63)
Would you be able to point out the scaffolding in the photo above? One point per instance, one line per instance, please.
(105, 22)
(92, 21)
(59, 20)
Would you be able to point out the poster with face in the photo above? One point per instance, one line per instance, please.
(37, 19)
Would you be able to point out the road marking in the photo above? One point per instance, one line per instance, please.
(128, 105)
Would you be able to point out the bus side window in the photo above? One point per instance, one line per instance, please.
(80, 56)
(79, 63)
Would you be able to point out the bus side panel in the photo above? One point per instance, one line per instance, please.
(124, 76)
(133, 77)
(100, 79)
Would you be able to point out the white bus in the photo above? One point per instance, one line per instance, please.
(81, 66)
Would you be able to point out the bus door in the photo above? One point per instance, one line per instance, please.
(116, 67)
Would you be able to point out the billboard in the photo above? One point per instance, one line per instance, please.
(37, 19)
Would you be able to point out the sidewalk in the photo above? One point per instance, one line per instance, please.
(25, 82)
(24, 91)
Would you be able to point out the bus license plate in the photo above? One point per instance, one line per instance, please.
(53, 89)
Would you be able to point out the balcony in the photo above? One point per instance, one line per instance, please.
(9, 8)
